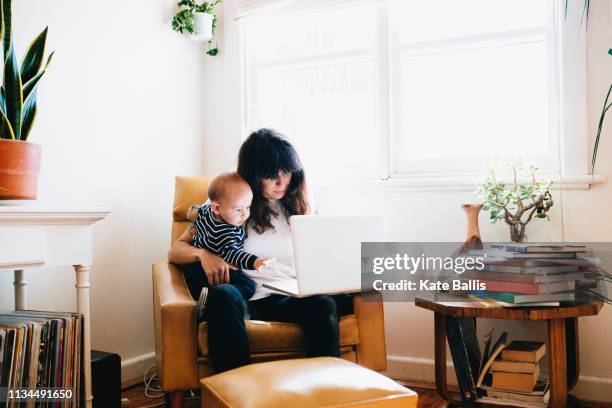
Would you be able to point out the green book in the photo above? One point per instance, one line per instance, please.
(517, 298)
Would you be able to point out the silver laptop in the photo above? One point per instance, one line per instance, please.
(327, 253)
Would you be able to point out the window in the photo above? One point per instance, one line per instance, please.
(386, 89)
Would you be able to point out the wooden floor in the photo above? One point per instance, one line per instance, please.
(428, 398)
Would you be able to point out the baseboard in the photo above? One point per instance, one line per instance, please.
(133, 369)
(423, 370)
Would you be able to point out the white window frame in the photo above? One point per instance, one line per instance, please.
(571, 86)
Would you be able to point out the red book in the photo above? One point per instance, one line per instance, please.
(528, 288)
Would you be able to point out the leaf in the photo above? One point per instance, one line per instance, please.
(13, 89)
(31, 84)
(7, 32)
(599, 129)
(2, 100)
(29, 114)
(34, 57)
(6, 131)
(585, 13)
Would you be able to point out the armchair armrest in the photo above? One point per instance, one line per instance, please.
(175, 329)
(371, 351)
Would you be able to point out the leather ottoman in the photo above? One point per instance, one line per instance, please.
(301, 383)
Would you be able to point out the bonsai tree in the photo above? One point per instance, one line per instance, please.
(516, 203)
(183, 21)
(19, 83)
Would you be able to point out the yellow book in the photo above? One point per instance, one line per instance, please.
(523, 382)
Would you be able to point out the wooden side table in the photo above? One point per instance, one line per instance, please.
(562, 339)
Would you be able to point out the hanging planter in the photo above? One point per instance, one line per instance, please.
(203, 25)
(197, 21)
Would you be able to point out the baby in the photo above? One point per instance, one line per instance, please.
(219, 225)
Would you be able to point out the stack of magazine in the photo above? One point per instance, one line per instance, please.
(41, 350)
(529, 274)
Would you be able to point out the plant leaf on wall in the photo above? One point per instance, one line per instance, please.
(31, 84)
(7, 32)
(13, 89)
(34, 57)
(602, 117)
(585, 11)
(29, 114)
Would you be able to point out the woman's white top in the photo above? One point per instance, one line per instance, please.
(273, 243)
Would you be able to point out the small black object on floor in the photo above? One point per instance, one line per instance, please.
(105, 379)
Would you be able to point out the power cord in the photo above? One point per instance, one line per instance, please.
(153, 389)
(151, 383)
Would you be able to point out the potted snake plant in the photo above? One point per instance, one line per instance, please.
(19, 158)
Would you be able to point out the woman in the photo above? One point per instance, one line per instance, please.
(271, 166)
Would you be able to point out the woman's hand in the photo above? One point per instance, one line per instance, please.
(216, 269)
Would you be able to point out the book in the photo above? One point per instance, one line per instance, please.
(526, 299)
(514, 403)
(497, 303)
(545, 269)
(498, 253)
(461, 361)
(515, 381)
(540, 248)
(509, 366)
(517, 396)
(528, 288)
(489, 358)
(539, 389)
(582, 262)
(520, 277)
(529, 351)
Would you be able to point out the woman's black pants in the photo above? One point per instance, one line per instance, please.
(226, 311)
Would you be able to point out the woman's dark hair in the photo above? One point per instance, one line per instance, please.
(262, 155)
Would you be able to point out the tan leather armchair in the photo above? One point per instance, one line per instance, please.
(181, 347)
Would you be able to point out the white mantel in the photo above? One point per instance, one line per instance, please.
(34, 215)
(34, 236)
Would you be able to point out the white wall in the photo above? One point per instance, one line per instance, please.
(436, 216)
(128, 104)
(120, 114)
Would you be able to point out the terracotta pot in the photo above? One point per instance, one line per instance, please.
(19, 168)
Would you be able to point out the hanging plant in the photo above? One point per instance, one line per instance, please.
(198, 20)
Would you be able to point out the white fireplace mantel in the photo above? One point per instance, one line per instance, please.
(33, 236)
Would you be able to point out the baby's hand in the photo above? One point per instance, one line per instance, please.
(261, 262)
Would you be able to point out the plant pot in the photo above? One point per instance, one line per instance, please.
(203, 25)
(19, 168)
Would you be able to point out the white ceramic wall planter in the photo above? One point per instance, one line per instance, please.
(203, 26)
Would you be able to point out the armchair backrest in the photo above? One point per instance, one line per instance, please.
(187, 192)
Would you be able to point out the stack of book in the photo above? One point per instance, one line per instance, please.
(529, 274)
(41, 350)
(514, 376)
